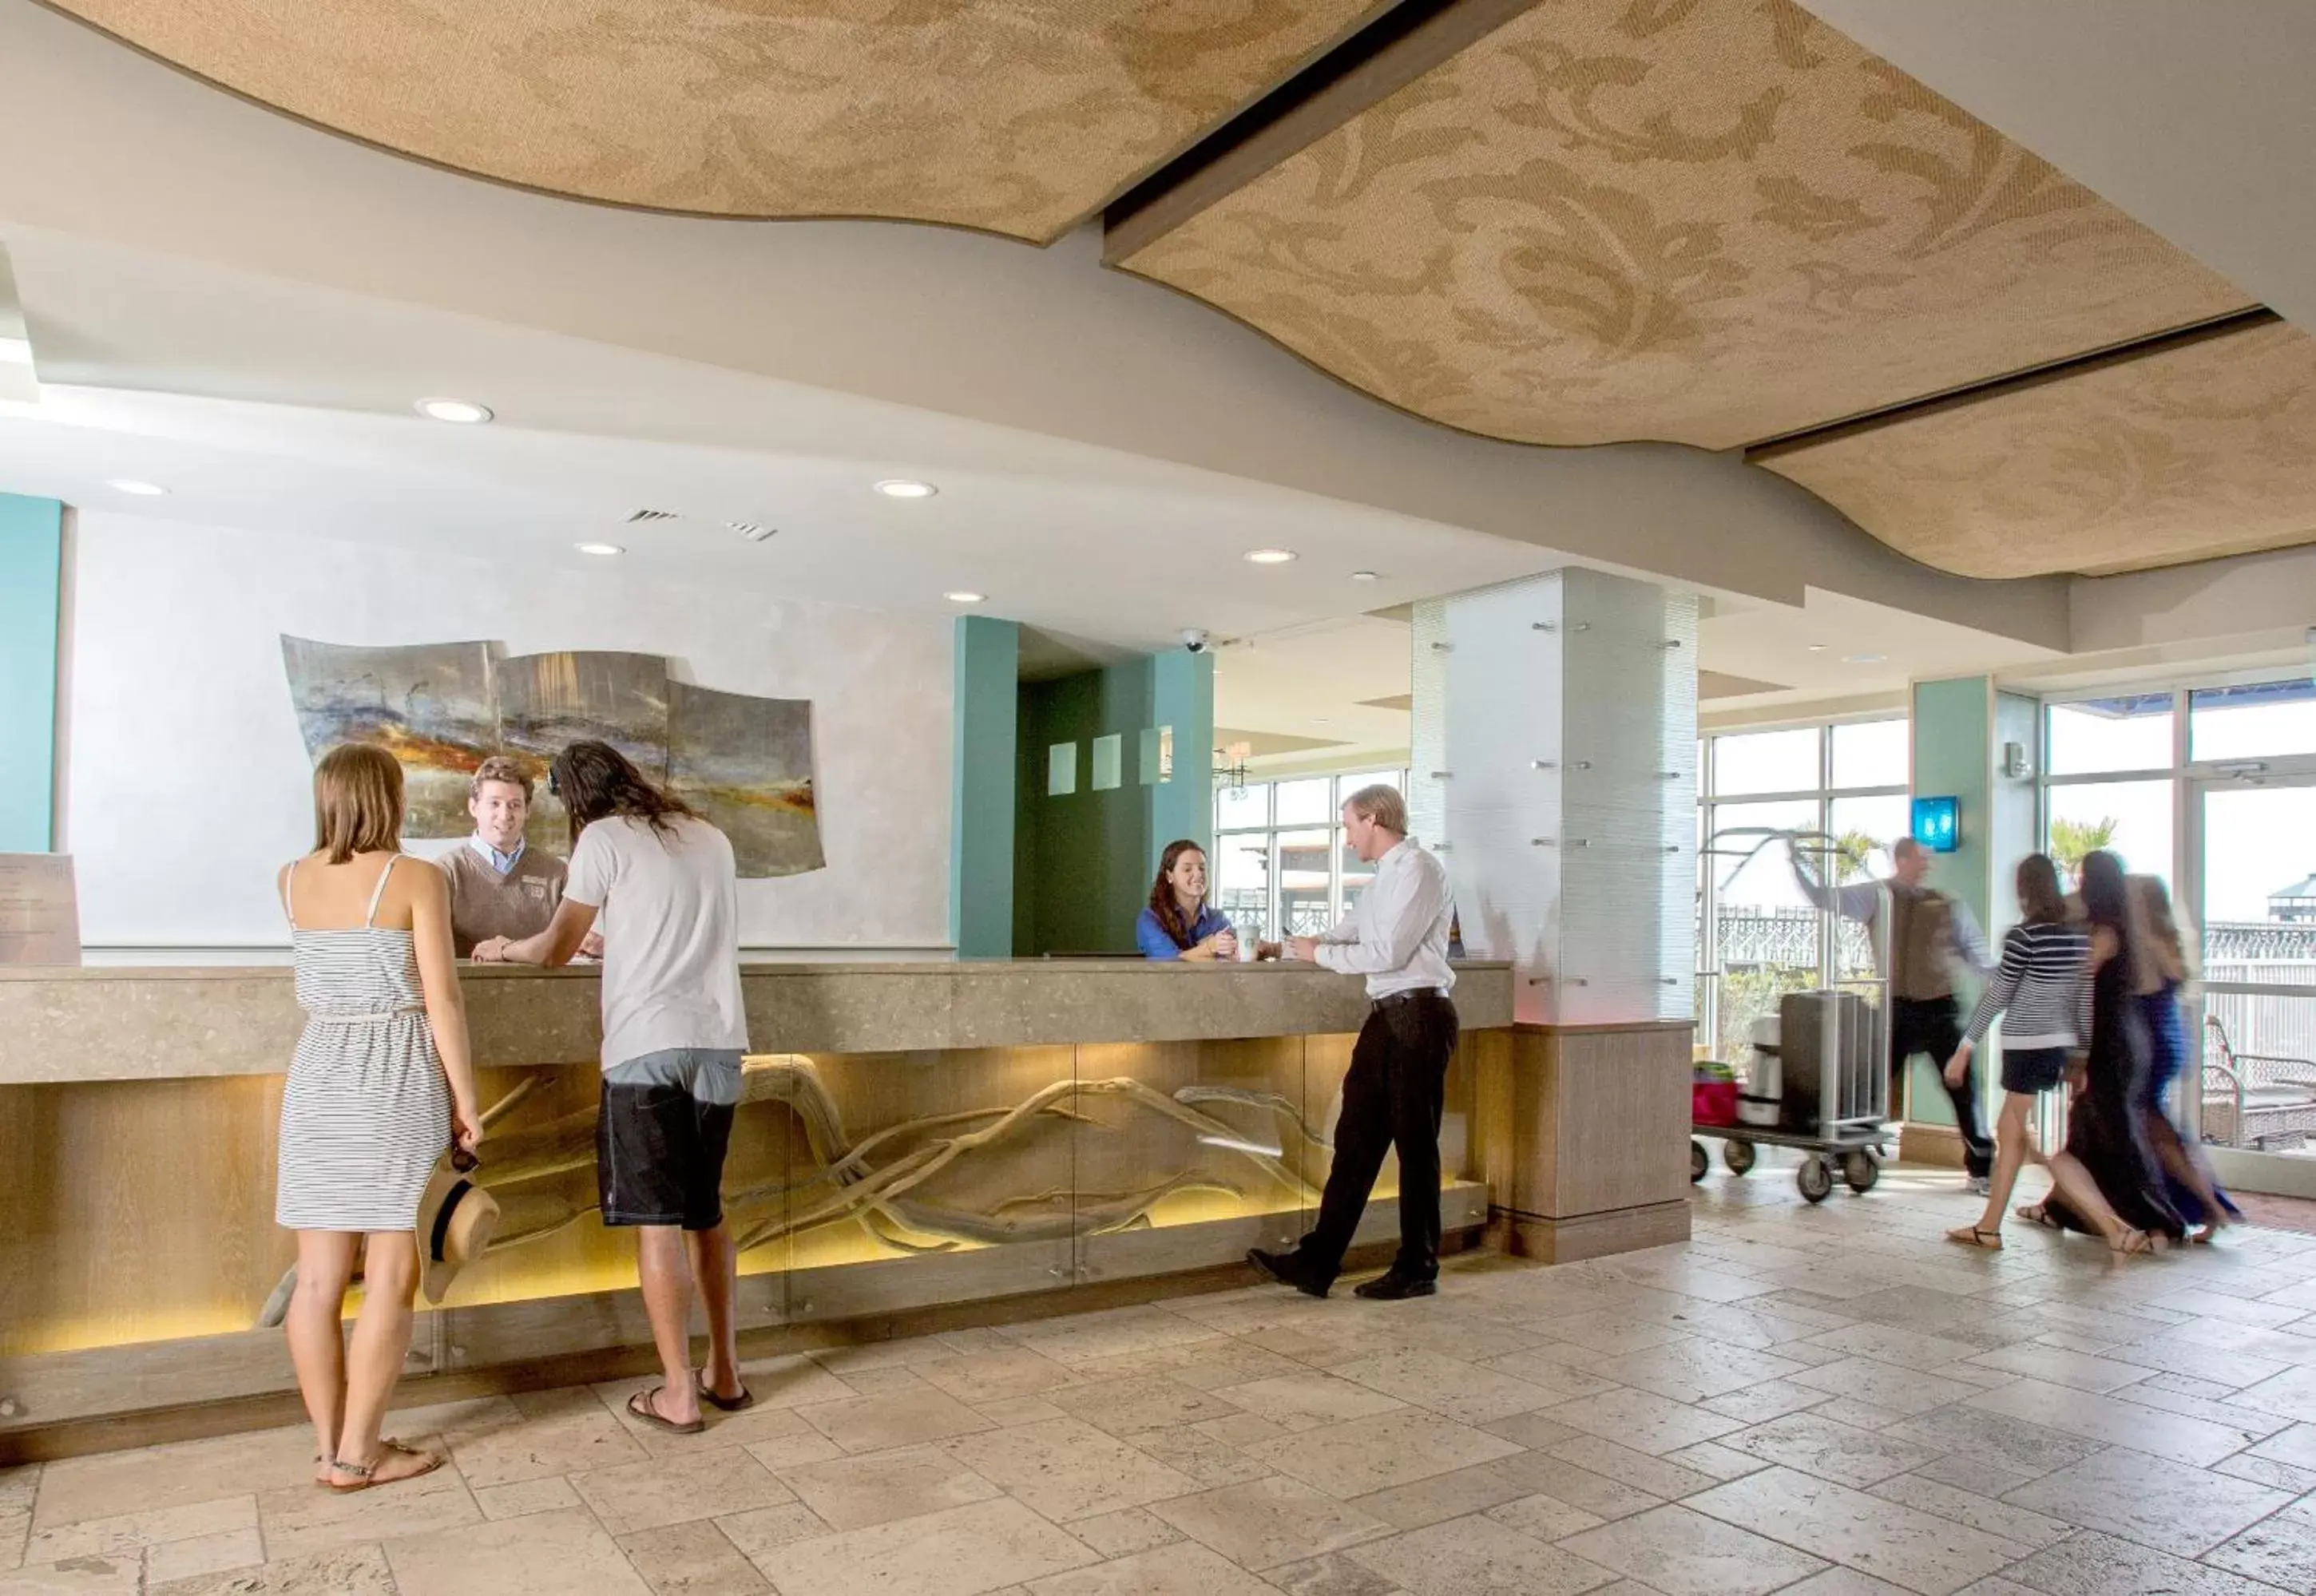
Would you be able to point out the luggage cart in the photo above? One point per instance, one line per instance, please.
(1842, 1036)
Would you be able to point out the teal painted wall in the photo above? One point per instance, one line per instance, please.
(31, 588)
(1182, 694)
(985, 758)
(1953, 754)
(1084, 860)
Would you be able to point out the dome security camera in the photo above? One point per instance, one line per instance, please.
(1194, 639)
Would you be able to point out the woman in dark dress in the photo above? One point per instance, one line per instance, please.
(2107, 1183)
(2189, 1178)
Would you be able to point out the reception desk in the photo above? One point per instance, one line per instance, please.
(917, 1143)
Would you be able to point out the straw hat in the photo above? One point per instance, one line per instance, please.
(456, 1219)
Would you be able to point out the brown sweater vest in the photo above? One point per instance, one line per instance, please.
(484, 904)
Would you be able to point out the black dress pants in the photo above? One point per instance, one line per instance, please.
(1932, 1025)
(1392, 1097)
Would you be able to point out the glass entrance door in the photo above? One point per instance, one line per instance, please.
(2252, 1077)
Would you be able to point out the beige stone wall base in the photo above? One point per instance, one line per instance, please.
(1938, 1146)
(1590, 1235)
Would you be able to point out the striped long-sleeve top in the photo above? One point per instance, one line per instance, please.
(2043, 984)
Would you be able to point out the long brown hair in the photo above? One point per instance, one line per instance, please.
(2166, 943)
(1162, 894)
(357, 803)
(595, 780)
(2040, 901)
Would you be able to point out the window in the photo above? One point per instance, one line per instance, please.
(2251, 722)
(2096, 734)
(1285, 867)
(1839, 791)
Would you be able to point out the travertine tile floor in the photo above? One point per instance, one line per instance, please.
(1823, 1401)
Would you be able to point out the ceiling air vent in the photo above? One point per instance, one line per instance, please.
(751, 531)
(637, 516)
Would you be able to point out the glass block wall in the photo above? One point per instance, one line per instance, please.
(1554, 763)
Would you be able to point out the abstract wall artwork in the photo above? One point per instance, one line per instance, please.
(430, 705)
(441, 709)
(745, 763)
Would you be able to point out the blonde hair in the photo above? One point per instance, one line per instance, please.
(2165, 940)
(500, 768)
(357, 803)
(1381, 804)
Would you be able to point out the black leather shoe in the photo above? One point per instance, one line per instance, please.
(1284, 1268)
(1391, 1288)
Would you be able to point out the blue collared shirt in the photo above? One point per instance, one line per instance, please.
(1156, 944)
(502, 863)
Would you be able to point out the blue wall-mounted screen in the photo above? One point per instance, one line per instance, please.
(1938, 824)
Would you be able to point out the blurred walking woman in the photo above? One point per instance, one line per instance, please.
(380, 1073)
(2188, 1180)
(2038, 986)
(2105, 1183)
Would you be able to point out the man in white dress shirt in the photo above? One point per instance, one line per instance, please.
(1395, 936)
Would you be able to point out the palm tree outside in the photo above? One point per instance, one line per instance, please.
(2072, 841)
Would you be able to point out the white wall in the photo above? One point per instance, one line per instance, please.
(187, 784)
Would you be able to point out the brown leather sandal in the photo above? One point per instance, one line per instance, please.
(1971, 1235)
(642, 1406)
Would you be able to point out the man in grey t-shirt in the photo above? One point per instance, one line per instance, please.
(665, 882)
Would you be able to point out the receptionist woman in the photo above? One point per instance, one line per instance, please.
(1180, 923)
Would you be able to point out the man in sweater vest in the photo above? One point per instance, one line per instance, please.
(499, 887)
(1932, 938)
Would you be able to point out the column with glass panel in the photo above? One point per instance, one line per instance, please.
(1846, 781)
(1283, 866)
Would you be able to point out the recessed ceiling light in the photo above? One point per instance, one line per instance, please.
(900, 487)
(143, 490)
(465, 412)
(963, 597)
(1363, 576)
(1817, 648)
(1269, 556)
(600, 548)
(1863, 659)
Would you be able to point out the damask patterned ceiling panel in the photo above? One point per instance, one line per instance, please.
(2189, 454)
(1707, 221)
(1018, 118)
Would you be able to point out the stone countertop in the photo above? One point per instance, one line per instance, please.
(126, 1022)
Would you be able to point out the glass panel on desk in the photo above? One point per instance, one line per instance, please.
(956, 1179)
(1188, 1153)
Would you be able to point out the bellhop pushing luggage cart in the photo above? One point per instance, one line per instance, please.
(1824, 1049)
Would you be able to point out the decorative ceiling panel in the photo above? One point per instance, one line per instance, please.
(1019, 118)
(1707, 221)
(2189, 454)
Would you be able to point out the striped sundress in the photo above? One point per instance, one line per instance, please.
(367, 1110)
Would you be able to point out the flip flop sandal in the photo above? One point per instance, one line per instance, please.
(1971, 1235)
(642, 1407)
(2035, 1213)
(730, 1404)
(363, 1472)
(2133, 1242)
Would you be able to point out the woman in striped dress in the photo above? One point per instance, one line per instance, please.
(380, 1071)
(2039, 985)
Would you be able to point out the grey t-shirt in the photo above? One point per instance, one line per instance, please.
(669, 910)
